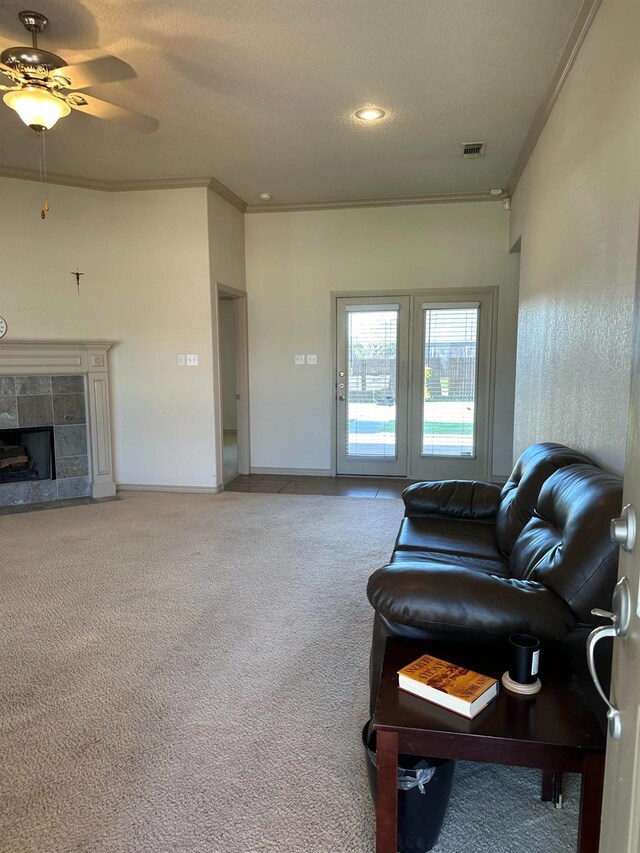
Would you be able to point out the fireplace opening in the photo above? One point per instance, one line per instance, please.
(27, 454)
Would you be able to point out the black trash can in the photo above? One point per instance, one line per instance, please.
(424, 789)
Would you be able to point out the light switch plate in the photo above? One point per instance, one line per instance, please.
(182, 359)
(192, 360)
(312, 359)
(299, 359)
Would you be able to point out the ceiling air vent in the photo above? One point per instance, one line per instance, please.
(471, 150)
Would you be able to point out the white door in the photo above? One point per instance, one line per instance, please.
(371, 385)
(621, 806)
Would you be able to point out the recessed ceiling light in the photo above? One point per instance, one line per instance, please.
(496, 191)
(370, 114)
(265, 196)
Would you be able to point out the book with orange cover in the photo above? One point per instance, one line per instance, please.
(460, 690)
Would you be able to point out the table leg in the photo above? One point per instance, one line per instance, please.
(591, 803)
(552, 787)
(387, 792)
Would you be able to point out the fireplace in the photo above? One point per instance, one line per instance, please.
(27, 454)
(60, 388)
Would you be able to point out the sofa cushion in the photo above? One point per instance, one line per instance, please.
(470, 499)
(520, 493)
(566, 544)
(478, 564)
(448, 536)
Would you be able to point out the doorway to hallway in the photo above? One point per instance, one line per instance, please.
(231, 383)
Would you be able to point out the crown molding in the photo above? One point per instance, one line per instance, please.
(578, 33)
(62, 180)
(436, 198)
(211, 184)
(219, 189)
(228, 195)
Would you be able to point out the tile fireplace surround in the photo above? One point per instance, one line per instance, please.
(63, 384)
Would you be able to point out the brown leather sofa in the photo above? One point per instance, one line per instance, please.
(476, 562)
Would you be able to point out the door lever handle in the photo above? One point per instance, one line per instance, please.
(604, 614)
(620, 616)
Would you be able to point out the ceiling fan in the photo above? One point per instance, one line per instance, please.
(45, 86)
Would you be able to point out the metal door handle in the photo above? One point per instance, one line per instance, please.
(341, 397)
(620, 616)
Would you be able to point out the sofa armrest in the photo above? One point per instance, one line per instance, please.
(434, 596)
(467, 499)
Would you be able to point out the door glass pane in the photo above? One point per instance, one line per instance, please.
(450, 371)
(372, 343)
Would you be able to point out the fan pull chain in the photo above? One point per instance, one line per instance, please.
(42, 159)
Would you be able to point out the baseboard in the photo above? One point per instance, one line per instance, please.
(142, 487)
(294, 472)
(103, 490)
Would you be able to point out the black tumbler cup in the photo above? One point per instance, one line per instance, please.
(525, 653)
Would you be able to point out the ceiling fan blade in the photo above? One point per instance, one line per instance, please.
(104, 69)
(103, 109)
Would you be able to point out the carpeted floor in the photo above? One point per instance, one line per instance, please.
(188, 674)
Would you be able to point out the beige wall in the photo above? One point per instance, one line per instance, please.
(295, 260)
(226, 243)
(146, 286)
(576, 209)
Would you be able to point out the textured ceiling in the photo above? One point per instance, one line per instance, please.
(260, 93)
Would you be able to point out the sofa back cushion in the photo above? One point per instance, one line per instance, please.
(566, 545)
(520, 493)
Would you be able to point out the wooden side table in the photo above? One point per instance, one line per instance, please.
(555, 731)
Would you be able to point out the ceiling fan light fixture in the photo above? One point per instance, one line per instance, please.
(37, 107)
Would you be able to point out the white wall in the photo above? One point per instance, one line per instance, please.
(146, 286)
(576, 208)
(294, 261)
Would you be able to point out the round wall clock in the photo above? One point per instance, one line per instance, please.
(3, 327)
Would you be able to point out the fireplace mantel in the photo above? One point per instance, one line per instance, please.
(26, 357)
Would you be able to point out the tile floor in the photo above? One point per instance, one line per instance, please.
(353, 487)
(230, 454)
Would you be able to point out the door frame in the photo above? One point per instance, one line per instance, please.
(239, 298)
(439, 294)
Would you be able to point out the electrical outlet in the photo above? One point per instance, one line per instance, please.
(299, 359)
(182, 359)
(192, 360)
(312, 359)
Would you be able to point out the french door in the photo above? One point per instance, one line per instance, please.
(413, 385)
(372, 385)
